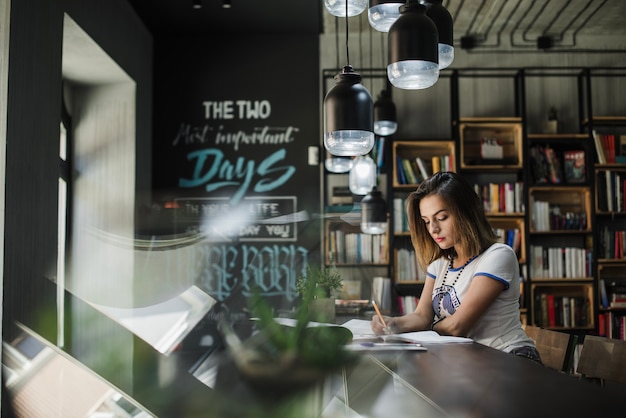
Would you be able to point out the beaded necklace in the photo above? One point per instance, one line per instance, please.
(445, 276)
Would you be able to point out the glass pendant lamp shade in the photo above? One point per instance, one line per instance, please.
(385, 115)
(338, 7)
(382, 13)
(348, 116)
(413, 49)
(362, 177)
(445, 28)
(338, 164)
(373, 213)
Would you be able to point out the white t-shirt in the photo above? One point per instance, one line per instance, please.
(500, 326)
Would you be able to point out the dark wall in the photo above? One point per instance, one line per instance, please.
(34, 111)
(234, 119)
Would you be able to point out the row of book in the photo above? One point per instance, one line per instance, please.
(400, 222)
(611, 191)
(415, 170)
(407, 268)
(547, 217)
(612, 325)
(546, 165)
(610, 148)
(502, 197)
(612, 243)
(560, 262)
(352, 248)
(511, 237)
(561, 311)
(613, 295)
(381, 293)
(407, 304)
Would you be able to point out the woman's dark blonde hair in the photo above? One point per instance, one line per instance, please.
(466, 209)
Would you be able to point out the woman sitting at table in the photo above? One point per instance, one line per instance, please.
(472, 284)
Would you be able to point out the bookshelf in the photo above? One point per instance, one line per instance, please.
(612, 299)
(434, 155)
(346, 245)
(491, 143)
(491, 155)
(414, 160)
(561, 230)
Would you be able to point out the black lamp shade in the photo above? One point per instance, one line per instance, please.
(384, 115)
(348, 116)
(442, 20)
(373, 213)
(414, 35)
(348, 105)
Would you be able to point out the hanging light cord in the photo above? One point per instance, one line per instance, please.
(347, 49)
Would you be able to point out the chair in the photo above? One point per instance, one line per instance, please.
(603, 359)
(555, 348)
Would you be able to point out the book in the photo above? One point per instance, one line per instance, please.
(436, 163)
(599, 145)
(362, 331)
(422, 167)
(575, 167)
(401, 176)
(408, 171)
(555, 174)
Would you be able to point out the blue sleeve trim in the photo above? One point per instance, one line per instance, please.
(432, 276)
(500, 279)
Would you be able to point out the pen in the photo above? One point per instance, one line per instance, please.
(382, 321)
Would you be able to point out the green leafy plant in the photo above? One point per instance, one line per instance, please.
(300, 342)
(318, 282)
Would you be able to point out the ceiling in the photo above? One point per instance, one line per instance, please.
(583, 25)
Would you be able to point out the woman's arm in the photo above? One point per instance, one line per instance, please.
(482, 292)
(418, 320)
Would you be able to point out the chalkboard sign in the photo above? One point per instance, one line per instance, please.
(231, 158)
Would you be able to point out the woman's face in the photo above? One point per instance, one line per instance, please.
(439, 222)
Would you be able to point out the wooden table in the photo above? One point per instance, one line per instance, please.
(447, 380)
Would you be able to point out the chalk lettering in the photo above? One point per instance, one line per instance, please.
(265, 135)
(212, 170)
(188, 134)
(218, 110)
(272, 268)
(278, 230)
(254, 109)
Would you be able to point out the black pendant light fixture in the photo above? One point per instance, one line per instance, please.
(348, 114)
(382, 13)
(385, 122)
(445, 28)
(413, 49)
(373, 213)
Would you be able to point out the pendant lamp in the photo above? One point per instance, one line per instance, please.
(348, 116)
(373, 213)
(413, 49)
(385, 123)
(348, 113)
(382, 13)
(443, 21)
(362, 176)
(338, 164)
(345, 8)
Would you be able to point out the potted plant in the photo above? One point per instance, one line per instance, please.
(280, 358)
(317, 287)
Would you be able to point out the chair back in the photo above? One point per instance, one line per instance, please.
(603, 358)
(555, 348)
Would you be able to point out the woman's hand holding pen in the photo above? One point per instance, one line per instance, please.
(383, 324)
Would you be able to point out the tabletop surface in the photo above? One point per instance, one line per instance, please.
(446, 380)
